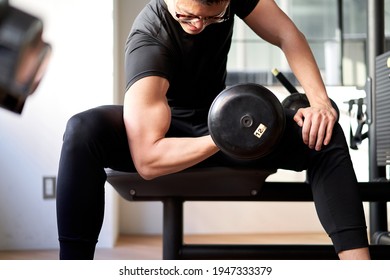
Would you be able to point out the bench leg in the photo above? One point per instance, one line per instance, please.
(172, 228)
(378, 223)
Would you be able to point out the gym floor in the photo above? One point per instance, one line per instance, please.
(136, 247)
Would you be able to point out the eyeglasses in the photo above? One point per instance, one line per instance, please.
(222, 17)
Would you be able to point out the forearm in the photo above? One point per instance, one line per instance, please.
(170, 155)
(304, 66)
(274, 26)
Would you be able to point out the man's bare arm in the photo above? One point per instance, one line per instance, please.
(147, 118)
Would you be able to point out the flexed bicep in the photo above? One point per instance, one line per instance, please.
(147, 118)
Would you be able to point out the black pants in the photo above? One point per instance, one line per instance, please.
(96, 139)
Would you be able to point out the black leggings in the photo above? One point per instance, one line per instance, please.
(96, 139)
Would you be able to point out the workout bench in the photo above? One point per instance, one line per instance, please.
(230, 184)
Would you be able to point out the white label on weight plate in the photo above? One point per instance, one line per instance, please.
(260, 130)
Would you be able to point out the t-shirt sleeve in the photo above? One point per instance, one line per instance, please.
(144, 57)
(243, 8)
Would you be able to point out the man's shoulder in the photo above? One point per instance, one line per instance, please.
(243, 8)
(150, 24)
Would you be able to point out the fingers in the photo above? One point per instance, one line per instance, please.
(313, 134)
(317, 127)
(329, 131)
(298, 117)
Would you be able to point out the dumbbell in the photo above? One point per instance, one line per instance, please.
(23, 56)
(296, 100)
(246, 121)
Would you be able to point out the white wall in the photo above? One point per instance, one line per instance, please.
(124, 14)
(80, 76)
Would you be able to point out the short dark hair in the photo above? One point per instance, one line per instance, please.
(211, 2)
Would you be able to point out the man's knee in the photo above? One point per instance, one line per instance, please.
(78, 127)
(338, 137)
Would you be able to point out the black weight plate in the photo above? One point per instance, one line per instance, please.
(246, 121)
(297, 100)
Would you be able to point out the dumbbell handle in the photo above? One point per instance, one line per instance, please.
(283, 80)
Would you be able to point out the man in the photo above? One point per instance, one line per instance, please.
(176, 59)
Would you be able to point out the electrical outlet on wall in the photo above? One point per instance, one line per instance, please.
(49, 187)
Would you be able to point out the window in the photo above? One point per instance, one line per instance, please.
(341, 62)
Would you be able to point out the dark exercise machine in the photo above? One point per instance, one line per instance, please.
(372, 112)
(378, 119)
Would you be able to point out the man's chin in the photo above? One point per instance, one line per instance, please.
(190, 30)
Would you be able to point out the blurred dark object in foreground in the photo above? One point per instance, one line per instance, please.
(23, 56)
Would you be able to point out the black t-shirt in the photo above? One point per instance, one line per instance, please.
(195, 65)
